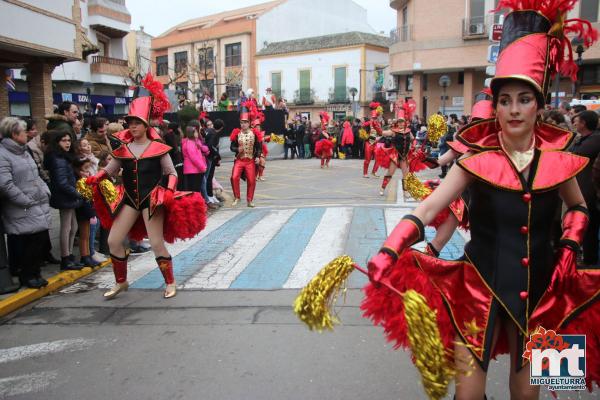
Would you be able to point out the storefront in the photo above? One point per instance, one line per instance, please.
(19, 102)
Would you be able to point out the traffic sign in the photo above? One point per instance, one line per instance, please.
(496, 33)
(492, 55)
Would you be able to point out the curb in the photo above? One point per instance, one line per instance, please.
(55, 283)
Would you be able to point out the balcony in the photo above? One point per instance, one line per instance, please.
(109, 17)
(339, 95)
(397, 4)
(402, 34)
(304, 97)
(478, 27)
(109, 66)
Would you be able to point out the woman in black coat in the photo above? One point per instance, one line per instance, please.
(64, 196)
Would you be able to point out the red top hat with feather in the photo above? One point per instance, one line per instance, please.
(482, 107)
(535, 45)
(147, 108)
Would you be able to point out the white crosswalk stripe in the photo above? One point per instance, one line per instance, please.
(327, 241)
(222, 271)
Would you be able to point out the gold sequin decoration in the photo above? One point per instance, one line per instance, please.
(428, 350)
(316, 300)
(277, 138)
(363, 134)
(108, 190)
(415, 187)
(436, 127)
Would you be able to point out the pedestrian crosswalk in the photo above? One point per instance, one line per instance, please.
(268, 249)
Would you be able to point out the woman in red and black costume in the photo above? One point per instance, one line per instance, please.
(510, 280)
(246, 143)
(374, 129)
(264, 152)
(324, 147)
(143, 207)
(393, 152)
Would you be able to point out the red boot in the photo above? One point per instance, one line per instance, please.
(165, 264)
(120, 270)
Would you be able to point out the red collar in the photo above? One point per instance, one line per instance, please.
(483, 135)
(154, 149)
(125, 136)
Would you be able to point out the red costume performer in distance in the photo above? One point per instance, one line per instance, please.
(510, 281)
(143, 207)
(375, 131)
(324, 147)
(246, 143)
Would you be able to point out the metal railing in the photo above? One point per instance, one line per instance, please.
(402, 34)
(339, 95)
(304, 96)
(109, 60)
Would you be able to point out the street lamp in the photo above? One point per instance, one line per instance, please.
(353, 91)
(444, 82)
(577, 42)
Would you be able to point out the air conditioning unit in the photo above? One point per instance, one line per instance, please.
(477, 29)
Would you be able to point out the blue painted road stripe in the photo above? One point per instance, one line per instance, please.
(367, 234)
(191, 260)
(271, 268)
(453, 250)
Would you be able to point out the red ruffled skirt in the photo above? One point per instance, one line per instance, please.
(184, 218)
(385, 156)
(324, 148)
(457, 280)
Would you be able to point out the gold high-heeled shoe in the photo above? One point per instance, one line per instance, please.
(115, 290)
(170, 291)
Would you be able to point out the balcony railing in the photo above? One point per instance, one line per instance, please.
(110, 66)
(402, 34)
(304, 97)
(339, 95)
(478, 27)
(108, 60)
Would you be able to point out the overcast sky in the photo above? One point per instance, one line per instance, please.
(159, 16)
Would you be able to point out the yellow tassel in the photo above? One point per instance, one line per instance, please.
(84, 189)
(436, 127)
(415, 187)
(379, 110)
(277, 138)
(362, 133)
(316, 300)
(342, 155)
(108, 190)
(427, 347)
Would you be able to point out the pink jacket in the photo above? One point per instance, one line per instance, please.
(194, 151)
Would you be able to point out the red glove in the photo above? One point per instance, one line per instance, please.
(574, 225)
(170, 191)
(409, 231)
(96, 179)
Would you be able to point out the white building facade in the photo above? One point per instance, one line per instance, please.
(339, 73)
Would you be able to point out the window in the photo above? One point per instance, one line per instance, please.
(477, 11)
(409, 83)
(461, 78)
(590, 74)
(276, 84)
(589, 10)
(206, 58)
(208, 85)
(404, 16)
(162, 65)
(339, 89)
(181, 87)
(233, 92)
(304, 86)
(181, 61)
(233, 55)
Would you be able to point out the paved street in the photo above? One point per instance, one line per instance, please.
(230, 333)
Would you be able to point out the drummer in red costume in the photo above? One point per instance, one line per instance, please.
(324, 147)
(143, 207)
(375, 132)
(246, 143)
(510, 281)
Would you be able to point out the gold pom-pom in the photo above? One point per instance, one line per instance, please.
(436, 127)
(277, 138)
(84, 189)
(415, 187)
(363, 134)
(427, 347)
(379, 110)
(317, 299)
(341, 155)
(108, 190)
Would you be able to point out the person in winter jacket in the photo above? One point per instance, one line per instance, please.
(58, 161)
(24, 206)
(194, 163)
